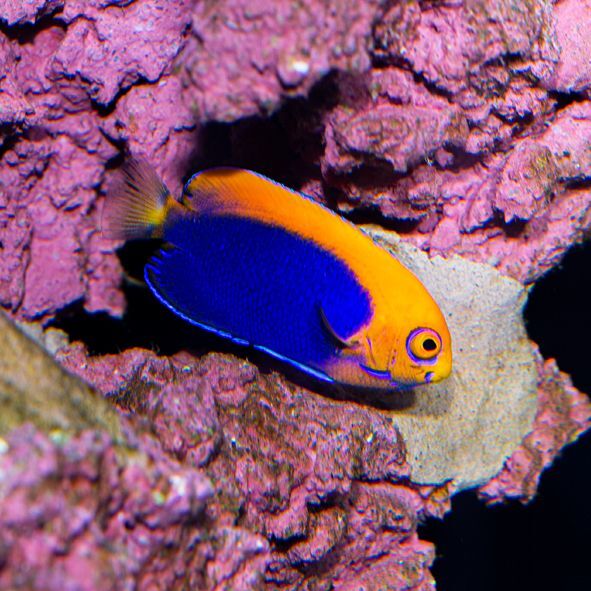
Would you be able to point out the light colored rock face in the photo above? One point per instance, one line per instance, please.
(35, 389)
(465, 427)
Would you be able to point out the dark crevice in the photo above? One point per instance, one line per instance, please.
(462, 160)
(119, 159)
(527, 126)
(558, 315)
(565, 99)
(145, 324)
(9, 137)
(433, 88)
(389, 61)
(514, 228)
(26, 32)
(520, 123)
(381, 60)
(331, 500)
(503, 60)
(285, 544)
(373, 215)
(542, 546)
(104, 110)
(579, 183)
(285, 146)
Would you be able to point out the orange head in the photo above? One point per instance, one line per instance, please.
(405, 343)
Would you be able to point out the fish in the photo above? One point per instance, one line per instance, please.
(266, 267)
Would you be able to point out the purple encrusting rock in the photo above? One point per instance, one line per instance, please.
(467, 121)
(75, 516)
(325, 481)
(563, 414)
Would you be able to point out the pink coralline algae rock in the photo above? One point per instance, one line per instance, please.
(55, 82)
(20, 12)
(572, 25)
(563, 414)
(324, 481)
(141, 38)
(538, 187)
(461, 48)
(466, 122)
(142, 120)
(272, 49)
(74, 516)
(13, 105)
(467, 139)
(400, 124)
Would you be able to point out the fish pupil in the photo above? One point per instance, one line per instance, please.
(429, 345)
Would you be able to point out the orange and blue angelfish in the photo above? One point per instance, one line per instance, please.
(264, 266)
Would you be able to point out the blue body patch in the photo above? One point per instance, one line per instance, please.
(259, 285)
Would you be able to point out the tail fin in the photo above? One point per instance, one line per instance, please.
(138, 204)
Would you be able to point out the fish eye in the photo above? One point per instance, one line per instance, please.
(429, 344)
(423, 344)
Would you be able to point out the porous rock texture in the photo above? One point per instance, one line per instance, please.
(324, 481)
(563, 414)
(465, 124)
(463, 428)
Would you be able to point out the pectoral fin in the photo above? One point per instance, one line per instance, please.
(340, 341)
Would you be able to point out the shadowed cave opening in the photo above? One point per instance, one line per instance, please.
(286, 146)
(545, 544)
(283, 146)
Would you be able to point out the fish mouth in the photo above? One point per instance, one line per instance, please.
(434, 377)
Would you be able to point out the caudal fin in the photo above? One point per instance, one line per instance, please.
(138, 204)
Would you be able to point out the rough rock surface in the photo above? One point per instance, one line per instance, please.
(466, 124)
(74, 516)
(472, 129)
(325, 481)
(87, 501)
(462, 429)
(563, 414)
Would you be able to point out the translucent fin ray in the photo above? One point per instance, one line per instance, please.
(137, 205)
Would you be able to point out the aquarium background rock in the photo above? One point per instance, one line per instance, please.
(463, 127)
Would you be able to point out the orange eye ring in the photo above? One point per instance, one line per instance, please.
(423, 344)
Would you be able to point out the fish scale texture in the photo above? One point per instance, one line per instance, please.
(466, 122)
(294, 271)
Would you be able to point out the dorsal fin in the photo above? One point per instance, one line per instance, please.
(236, 191)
